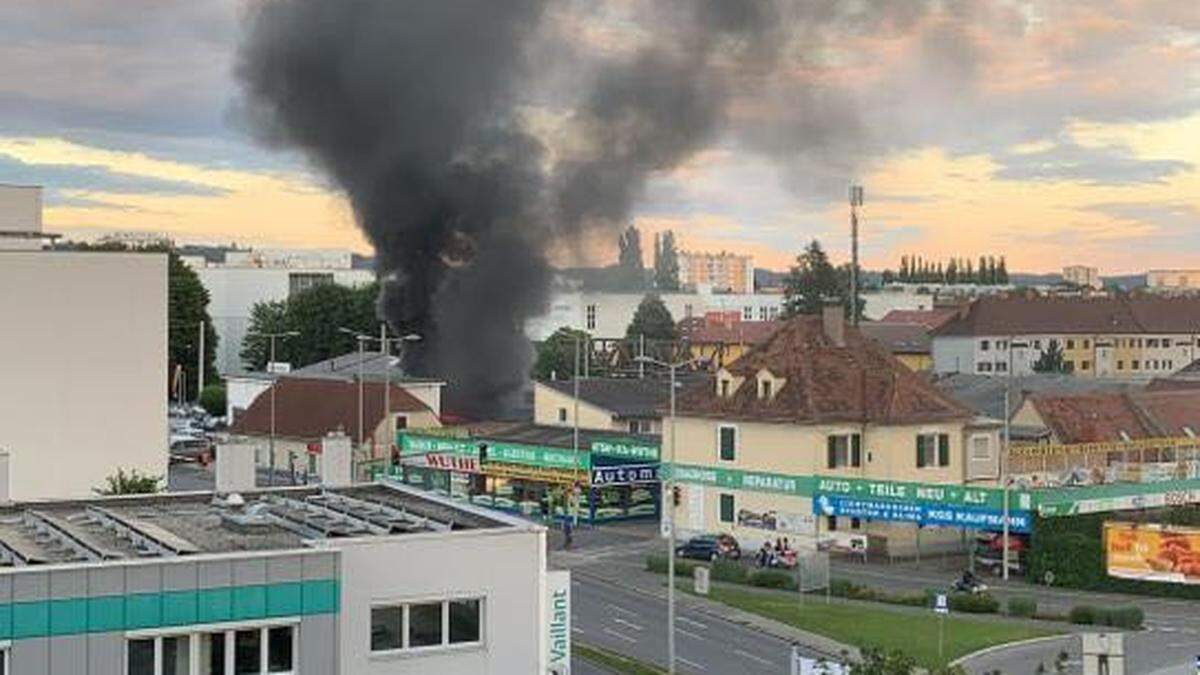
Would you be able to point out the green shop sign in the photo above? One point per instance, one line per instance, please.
(1117, 497)
(511, 453)
(623, 450)
(808, 486)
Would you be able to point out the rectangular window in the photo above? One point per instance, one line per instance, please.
(562, 414)
(984, 367)
(727, 443)
(1037, 344)
(831, 523)
(139, 654)
(1001, 367)
(747, 313)
(933, 450)
(635, 426)
(281, 649)
(255, 650)
(1134, 364)
(843, 450)
(1070, 344)
(766, 389)
(981, 447)
(983, 345)
(247, 652)
(856, 523)
(726, 508)
(1087, 344)
(762, 313)
(1069, 366)
(1085, 365)
(427, 625)
(1152, 342)
(591, 317)
(1120, 365)
(177, 655)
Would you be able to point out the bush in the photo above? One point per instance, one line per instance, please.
(772, 579)
(728, 570)
(1130, 617)
(841, 588)
(212, 399)
(1022, 606)
(1083, 615)
(974, 603)
(658, 563)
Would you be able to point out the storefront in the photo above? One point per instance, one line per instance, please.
(609, 478)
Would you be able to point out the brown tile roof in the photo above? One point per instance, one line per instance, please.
(307, 409)
(929, 318)
(1100, 417)
(899, 338)
(1022, 316)
(698, 330)
(860, 382)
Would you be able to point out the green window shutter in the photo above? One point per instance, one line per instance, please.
(726, 508)
(728, 443)
(855, 449)
(920, 454)
(831, 451)
(943, 449)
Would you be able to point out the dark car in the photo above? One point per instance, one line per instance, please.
(709, 547)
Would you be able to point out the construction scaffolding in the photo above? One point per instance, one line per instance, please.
(1147, 460)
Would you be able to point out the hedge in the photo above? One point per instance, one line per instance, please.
(772, 579)
(731, 571)
(658, 563)
(974, 603)
(1072, 548)
(1128, 617)
(1022, 607)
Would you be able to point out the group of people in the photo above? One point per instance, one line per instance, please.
(779, 554)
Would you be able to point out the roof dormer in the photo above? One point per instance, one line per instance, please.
(727, 383)
(768, 385)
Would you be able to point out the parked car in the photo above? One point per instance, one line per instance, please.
(709, 547)
(989, 553)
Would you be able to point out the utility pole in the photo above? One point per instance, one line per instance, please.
(575, 439)
(856, 200)
(200, 364)
(272, 337)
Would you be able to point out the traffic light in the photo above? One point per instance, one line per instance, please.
(676, 495)
(483, 450)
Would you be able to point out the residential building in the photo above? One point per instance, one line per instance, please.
(297, 580)
(537, 470)
(722, 272)
(249, 277)
(630, 405)
(820, 419)
(301, 411)
(1082, 276)
(1180, 280)
(719, 338)
(241, 389)
(1112, 417)
(929, 319)
(607, 315)
(83, 361)
(1134, 338)
(908, 342)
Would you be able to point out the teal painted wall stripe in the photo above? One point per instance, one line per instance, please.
(138, 611)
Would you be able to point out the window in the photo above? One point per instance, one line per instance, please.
(1053, 343)
(724, 388)
(984, 367)
(1087, 344)
(831, 523)
(933, 450)
(727, 443)
(302, 281)
(725, 504)
(1070, 344)
(687, 311)
(843, 450)
(1001, 344)
(635, 427)
(762, 313)
(1152, 342)
(765, 389)
(245, 650)
(774, 314)
(856, 523)
(983, 345)
(562, 414)
(1037, 344)
(591, 317)
(747, 313)
(1069, 366)
(981, 447)
(1120, 365)
(1001, 367)
(1085, 365)
(427, 624)
(1133, 364)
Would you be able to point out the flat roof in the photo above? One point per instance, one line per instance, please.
(181, 524)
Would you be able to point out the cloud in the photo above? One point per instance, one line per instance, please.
(1106, 165)
(94, 178)
(1165, 216)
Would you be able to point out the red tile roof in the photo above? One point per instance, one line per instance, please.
(1101, 417)
(899, 338)
(929, 318)
(307, 409)
(858, 382)
(1023, 316)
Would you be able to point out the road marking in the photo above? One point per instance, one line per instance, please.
(620, 635)
(690, 634)
(697, 624)
(576, 629)
(622, 610)
(627, 624)
(693, 664)
(753, 657)
(1177, 645)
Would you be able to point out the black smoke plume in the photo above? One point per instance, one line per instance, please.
(418, 112)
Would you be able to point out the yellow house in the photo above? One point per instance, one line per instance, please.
(719, 339)
(820, 408)
(908, 342)
(628, 405)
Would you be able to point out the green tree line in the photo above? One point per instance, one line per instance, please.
(915, 269)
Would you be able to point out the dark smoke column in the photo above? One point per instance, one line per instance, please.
(408, 107)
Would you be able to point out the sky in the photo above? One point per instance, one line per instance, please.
(1051, 132)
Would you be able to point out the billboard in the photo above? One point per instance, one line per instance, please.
(1150, 552)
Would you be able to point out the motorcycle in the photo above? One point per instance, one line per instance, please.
(969, 583)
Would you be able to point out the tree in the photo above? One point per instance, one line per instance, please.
(132, 483)
(810, 283)
(952, 271)
(652, 320)
(1002, 272)
(212, 399)
(556, 355)
(316, 313)
(666, 262)
(1051, 360)
(629, 259)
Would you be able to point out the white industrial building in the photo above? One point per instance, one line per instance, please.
(354, 580)
(247, 278)
(83, 361)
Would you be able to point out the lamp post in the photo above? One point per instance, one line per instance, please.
(385, 346)
(361, 339)
(1004, 480)
(669, 496)
(272, 337)
(575, 438)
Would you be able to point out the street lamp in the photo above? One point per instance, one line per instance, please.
(361, 339)
(272, 337)
(669, 496)
(385, 351)
(1004, 479)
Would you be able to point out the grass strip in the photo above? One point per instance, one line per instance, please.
(614, 661)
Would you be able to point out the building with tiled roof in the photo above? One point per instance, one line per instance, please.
(1136, 338)
(928, 318)
(719, 338)
(908, 342)
(1100, 417)
(819, 400)
(620, 404)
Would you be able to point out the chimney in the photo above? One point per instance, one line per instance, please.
(236, 468)
(335, 463)
(833, 321)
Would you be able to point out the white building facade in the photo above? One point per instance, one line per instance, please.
(83, 357)
(607, 315)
